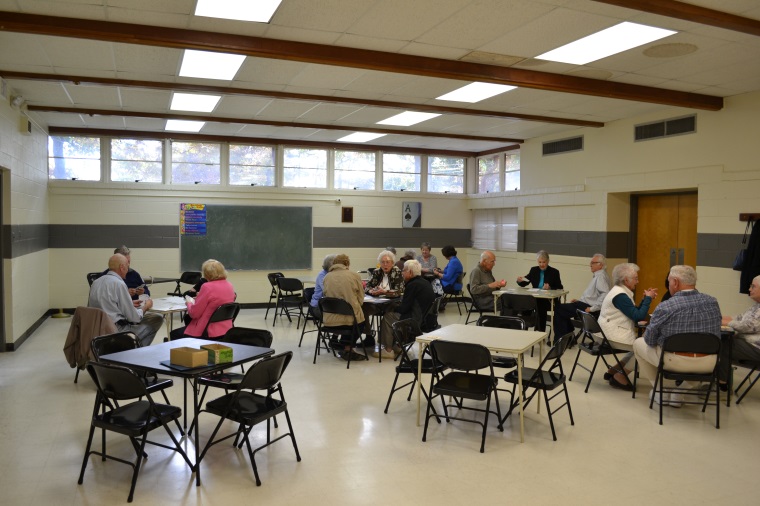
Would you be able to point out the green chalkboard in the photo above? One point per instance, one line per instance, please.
(247, 237)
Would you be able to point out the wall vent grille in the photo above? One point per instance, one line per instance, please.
(563, 146)
(667, 128)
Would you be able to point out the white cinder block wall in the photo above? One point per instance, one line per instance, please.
(23, 161)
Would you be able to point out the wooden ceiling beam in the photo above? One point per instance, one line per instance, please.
(184, 136)
(282, 124)
(179, 38)
(204, 88)
(689, 12)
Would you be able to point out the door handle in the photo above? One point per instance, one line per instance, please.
(680, 256)
(672, 257)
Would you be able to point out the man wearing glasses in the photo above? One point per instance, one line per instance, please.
(590, 301)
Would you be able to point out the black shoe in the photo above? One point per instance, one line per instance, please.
(622, 386)
(369, 341)
(355, 357)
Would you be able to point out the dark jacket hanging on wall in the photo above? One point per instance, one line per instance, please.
(751, 260)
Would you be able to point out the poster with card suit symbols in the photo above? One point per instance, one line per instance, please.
(411, 214)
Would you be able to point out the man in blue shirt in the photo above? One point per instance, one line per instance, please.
(686, 311)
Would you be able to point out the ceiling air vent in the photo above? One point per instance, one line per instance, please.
(667, 128)
(563, 146)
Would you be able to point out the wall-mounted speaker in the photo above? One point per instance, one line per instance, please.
(24, 125)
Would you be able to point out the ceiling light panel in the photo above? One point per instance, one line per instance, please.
(178, 125)
(360, 137)
(475, 92)
(408, 118)
(613, 40)
(210, 65)
(194, 102)
(260, 11)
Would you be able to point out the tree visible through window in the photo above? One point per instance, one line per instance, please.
(305, 168)
(445, 174)
(512, 172)
(74, 158)
(401, 172)
(136, 160)
(488, 174)
(252, 165)
(196, 162)
(354, 170)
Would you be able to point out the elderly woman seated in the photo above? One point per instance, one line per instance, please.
(212, 294)
(387, 280)
(427, 261)
(342, 283)
(746, 343)
(618, 318)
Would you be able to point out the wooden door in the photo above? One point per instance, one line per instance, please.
(666, 235)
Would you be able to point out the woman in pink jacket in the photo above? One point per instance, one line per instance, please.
(213, 293)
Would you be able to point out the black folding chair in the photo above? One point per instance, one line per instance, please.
(502, 322)
(247, 408)
(430, 318)
(404, 334)
(289, 296)
(546, 378)
(228, 380)
(272, 277)
(134, 420)
(92, 276)
(457, 296)
(600, 349)
(343, 335)
(695, 344)
(309, 315)
(187, 278)
(228, 311)
(462, 382)
(474, 308)
(752, 365)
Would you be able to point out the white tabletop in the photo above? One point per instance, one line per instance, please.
(495, 339)
(169, 304)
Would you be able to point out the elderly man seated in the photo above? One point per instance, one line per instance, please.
(110, 294)
(687, 310)
(482, 282)
(590, 301)
(746, 343)
(418, 297)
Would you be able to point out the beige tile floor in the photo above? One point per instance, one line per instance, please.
(354, 454)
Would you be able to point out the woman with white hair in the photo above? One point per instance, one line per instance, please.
(619, 316)
(542, 277)
(387, 280)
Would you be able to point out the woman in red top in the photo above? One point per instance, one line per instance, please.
(213, 293)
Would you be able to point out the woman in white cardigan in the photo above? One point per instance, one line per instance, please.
(618, 318)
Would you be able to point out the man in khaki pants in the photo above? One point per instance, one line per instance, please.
(686, 311)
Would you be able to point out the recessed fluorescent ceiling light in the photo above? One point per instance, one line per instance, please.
(613, 40)
(360, 137)
(192, 102)
(208, 65)
(475, 92)
(241, 10)
(180, 125)
(408, 118)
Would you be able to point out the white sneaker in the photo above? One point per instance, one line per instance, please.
(385, 354)
(666, 397)
(676, 400)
